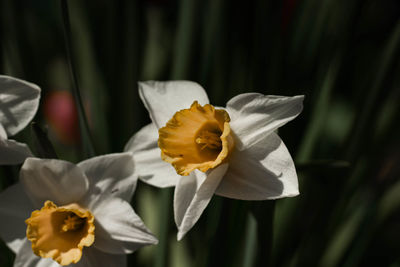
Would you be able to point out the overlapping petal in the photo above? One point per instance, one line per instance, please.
(15, 208)
(254, 115)
(50, 179)
(118, 229)
(109, 174)
(163, 99)
(19, 102)
(192, 195)
(149, 166)
(13, 152)
(262, 171)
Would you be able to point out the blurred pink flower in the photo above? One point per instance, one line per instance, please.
(62, 116)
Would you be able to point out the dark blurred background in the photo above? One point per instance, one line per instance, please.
(343, 55)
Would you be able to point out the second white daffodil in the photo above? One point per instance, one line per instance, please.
(61, 213)
(202, 150)
(19, 101)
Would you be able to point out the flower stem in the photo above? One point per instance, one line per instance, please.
(161, 258)
(264, 214)
(83, 123)
(184, 38)
(250, 241)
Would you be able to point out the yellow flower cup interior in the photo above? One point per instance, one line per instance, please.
(196, 138)
(60, 233)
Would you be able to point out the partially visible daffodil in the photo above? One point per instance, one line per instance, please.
(233, 152)
(61, 213)
(19, 102)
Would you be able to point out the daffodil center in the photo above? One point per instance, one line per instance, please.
(73, 223)
(196, 138)
(208, 139)
(60, 233)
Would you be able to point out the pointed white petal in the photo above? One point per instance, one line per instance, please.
(49, 179)
(26, 258)
(93, 257)
(164, 99)
(19, 102)
(15, 208)
(118, 229)
(109, 174)
(13, 152)
(192, 195)
(149, 166)
(263, 171)
(145, 138)
(254, 115)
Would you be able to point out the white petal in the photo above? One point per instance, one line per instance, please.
(3, 133)
(109, 174)
(19, 101)
(93, 257)
(149, 166)
(49, 179)
(13, 152)
(263, 171)
(15, 208)
(146, 138)
(254, 115)
(118, 229)
(192, 195)
(164, 99)
(26, 258)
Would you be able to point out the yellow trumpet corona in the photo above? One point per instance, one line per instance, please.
(60, 233)
(196, 138)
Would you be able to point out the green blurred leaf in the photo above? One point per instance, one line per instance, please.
(326, 165)
(83, 123)
(43, 146)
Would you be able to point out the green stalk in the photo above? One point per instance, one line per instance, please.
(161, 257)
(264, 214)
(211, 36)
(250, 241)
(184, 39)
(83, 123)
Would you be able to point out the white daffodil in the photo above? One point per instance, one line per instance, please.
(19, 102)
(232, 152)
(61, 213)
